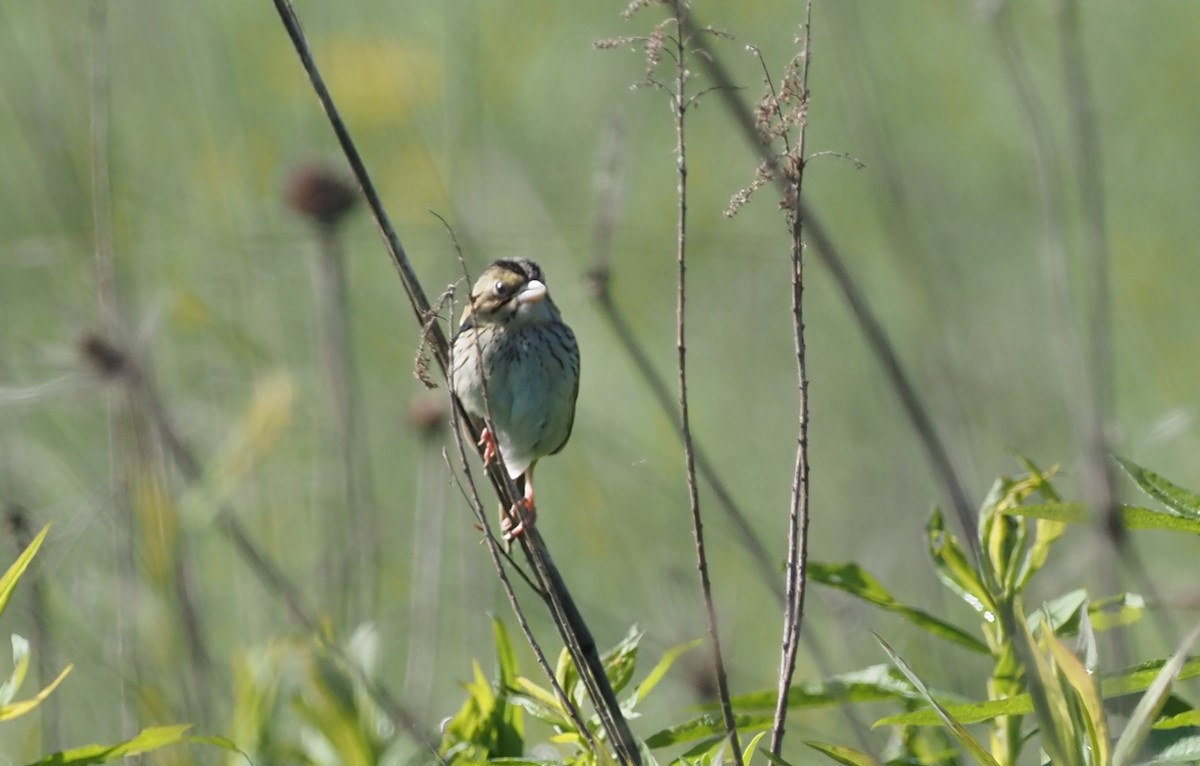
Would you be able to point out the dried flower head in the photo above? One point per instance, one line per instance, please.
(106, 359)
(427, 414)
(321, 194)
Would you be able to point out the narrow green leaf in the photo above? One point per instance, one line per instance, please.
(973, 746)
(748, 752)
(953, 567)
(658, 671)
(968, 713)
(154, 738)
(20, 669)
(707, 725)
(853, 579)
(1127, 681)
(1063, 612)
(620, 661)
(1151, 703)
(775, 759)
(1051, 709)
(1179, 720)
(506, 657)
(1116, 611)
(874, 683)
(1179, 500)
(10, 579)
(1133, 517)
(842, 754)
(1087, 692)
(16, 709)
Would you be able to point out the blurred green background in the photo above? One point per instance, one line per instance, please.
(496, 116)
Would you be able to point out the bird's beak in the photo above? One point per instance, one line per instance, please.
(533, 291)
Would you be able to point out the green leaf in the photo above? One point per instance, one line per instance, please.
(707, 725)
(842, 754)
(20, 669)
(1133, 517)
(748, 752)
(973, 746)
(149, 740)
(870, 684)
(1086, 691)
(1176, 746)
(1179, 720)
(1063, 612)
(620, 661)
(506, 658)
(853, 579)
(1133, 679)
(1181, 501)
(953, 567)
(16, 709)
(1116, 611)
(1142, 718)
(9, 582)
(657, 673)
(775, 759)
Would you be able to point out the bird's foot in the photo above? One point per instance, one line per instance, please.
(524, 513)
(488, 443)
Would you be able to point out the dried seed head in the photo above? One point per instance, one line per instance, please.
(428, 415)
(321, 194)
(105, 358)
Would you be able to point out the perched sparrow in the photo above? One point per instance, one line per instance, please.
(515, 361)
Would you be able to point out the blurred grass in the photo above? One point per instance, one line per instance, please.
(492, 115)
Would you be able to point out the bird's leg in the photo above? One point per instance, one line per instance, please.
(488, 443)
(523, 511)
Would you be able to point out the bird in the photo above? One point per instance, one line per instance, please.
(514, 364)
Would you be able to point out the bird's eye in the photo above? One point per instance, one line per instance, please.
(500, 289)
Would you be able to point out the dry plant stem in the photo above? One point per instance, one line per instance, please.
(354, 564)
(869, 324)
(425, 601)
(680, 103)
(567, 618)
(131, 450)
(798, 510)
(1101, 483)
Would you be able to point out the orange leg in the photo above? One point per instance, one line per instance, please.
(523, 510)
(488, 443)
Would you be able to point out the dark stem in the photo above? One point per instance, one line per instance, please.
(869, 324)
(353, 559)
(680, 105)
(567, 618)
(797, 559)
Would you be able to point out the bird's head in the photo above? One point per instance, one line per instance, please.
(511, 290)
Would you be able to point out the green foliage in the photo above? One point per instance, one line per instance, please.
(297, 701)
(147, 741)
(489, 727)
(1041, 690)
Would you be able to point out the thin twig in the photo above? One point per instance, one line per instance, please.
(680, 103)
(869, 324)
(798, 509)
(600, 287)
